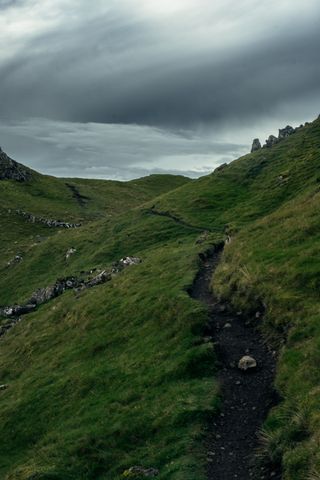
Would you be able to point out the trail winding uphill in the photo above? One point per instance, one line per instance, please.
(247, 395)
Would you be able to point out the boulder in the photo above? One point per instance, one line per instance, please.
(247, 363)
(256, 145)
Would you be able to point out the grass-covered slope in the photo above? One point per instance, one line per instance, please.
(92, 377)
(251, 187)
(119, 375)
(75, 200)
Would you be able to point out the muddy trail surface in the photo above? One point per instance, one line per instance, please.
(232, 440)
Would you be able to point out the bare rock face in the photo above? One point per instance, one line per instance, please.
(11, 170)
(256, 145)
(286, 132)
(247, 363)
(272, 140)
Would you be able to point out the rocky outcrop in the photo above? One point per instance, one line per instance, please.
(286, 132)
(271, 140)
(12, 170)
(256, 145)
(45, 294)
(283, 133)
(48, 222)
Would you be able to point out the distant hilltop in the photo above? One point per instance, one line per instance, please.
(272, 140)
(12, 170)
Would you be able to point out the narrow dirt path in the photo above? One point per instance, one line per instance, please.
(81, 199)
(232, 441)
(179, 221)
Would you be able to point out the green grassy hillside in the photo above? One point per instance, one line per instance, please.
(119, 375)
(54, 197)
(251, 187)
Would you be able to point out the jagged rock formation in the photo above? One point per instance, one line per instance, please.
(256, 145)
(272, 140)
(286, 132)
(12, 170)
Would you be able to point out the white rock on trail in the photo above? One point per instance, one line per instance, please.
(247, 363)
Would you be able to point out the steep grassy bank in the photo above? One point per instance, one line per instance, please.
(252, 186)
(269, 202)
(91, 378)
(276, 261)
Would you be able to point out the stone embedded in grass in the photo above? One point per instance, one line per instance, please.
(3, 387)
(247, 363)
(70, 251)
(128, 261)
(203, 237)
(15, 260)
(136, 472)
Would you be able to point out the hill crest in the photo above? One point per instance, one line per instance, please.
(12, 170)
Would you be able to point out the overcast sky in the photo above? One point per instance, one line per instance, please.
(123, 88)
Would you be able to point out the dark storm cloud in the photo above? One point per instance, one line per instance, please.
(116, 67)
(210, 75)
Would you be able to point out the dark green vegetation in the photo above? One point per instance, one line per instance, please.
(118, 375)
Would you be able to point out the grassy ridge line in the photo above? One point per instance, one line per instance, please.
(52, 197)
(277, 261)
(91, 378)
(252, 186)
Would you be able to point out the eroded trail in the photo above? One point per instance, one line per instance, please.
(232, 440)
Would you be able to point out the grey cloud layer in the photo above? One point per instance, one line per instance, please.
(122, 65)
(112, 151)
(127, 87)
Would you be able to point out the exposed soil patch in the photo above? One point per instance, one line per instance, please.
(232, 441)
(81, 199)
